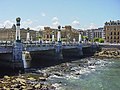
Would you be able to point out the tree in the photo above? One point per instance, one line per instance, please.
(101, 40)
(85, 37)
(96, 39)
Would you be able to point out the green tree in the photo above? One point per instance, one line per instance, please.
(85, 37)
(96, 39)
(101, 40)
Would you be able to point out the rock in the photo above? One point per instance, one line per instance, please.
(37, 86)
(23, 87)
(46, 75)
(44, 87)
(4, 88)
(8, 89)
(6, 77)
(31, 78)
(42, 78)
(13, 81)
(58, 74)
(21, 80)
(15, 86)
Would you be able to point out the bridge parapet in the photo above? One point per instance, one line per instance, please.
(6, 49)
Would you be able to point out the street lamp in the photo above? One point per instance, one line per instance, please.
(80, 37)
(18, 29)
(59, 34)
(53, 37)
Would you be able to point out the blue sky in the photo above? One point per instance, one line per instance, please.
(78, 13)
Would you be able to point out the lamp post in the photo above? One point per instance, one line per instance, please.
(80, 38)
(59, 34)
(18, 29)
(53, 37)
(28, 34)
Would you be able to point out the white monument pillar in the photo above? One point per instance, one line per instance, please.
(80, 37)
(59, 34)
(18, 29)
(53, 37)
(28, 35)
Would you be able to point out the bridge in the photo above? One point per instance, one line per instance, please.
(11, 52)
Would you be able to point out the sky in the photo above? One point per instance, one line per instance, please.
(80, 14)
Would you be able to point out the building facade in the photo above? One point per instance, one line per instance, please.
(9, 34)
(112, 31)
(94, 33)
(68, 34)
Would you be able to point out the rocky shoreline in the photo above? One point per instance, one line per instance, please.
(25, 82)
(108, 53)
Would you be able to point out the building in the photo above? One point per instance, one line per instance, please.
(94, 33)
(67, 34)
(112, 31)
(47, 34)
(9, 34)
(70, 34)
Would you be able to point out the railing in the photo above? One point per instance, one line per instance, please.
(7, 46)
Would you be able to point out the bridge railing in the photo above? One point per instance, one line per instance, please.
(6, 43)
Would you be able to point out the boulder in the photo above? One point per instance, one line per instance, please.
(6, 77)
(37, 86)
(21, 80)
(31, 79)
(42, 78)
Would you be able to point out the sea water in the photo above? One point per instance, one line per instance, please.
(101, 74)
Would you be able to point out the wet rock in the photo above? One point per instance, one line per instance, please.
(37, 86)
(6, 77)
(22, 81)
(44, 87)
(23, 87)
(31, 79)
(42, 78)
(57, 74)
(13, 81)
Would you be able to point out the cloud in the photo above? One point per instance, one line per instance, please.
(26, 23)
(37, 28)
(75, 23)
(55, 22)
(55, 19)
(6, 24)
(43, 14)
(92, 26)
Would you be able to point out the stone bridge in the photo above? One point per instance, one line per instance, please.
(12, 52)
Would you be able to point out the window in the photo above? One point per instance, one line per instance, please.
(114, 37)
(114, 33)
(114, 28)
(118, 33)
(111, 33)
